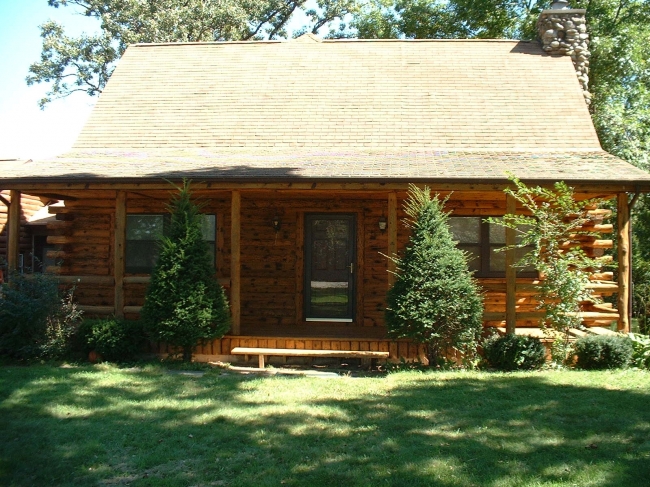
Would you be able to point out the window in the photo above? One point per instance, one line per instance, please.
(143, 233)
(482, 241)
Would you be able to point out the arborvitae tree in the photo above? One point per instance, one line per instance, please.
(185, 305)
(435, 301)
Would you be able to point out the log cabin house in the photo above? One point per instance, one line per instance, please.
(304, 150)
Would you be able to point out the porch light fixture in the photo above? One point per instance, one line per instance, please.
(560, 5)
(382, 223)
(276, 223)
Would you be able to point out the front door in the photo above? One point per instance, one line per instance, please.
(329, 267)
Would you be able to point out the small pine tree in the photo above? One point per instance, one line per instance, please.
(184, 304)
(435, 301)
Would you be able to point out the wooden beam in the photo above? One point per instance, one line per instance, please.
(105, 280)
(97, 310)
(359, 271)
(235, 262)
(13, 226)
(441, 185)
(623, 237)
(119, 242)
(300, 266)
(392, 236)
(511, 270)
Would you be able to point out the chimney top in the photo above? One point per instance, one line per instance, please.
(563, 32)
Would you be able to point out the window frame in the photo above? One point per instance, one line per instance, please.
(485, 247)
(132, 269)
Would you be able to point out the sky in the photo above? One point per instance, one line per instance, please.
(26, 131)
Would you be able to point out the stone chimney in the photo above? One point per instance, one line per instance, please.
(563, 32)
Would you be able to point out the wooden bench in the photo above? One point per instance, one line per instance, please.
(297, 352)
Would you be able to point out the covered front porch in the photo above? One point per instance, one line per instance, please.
(266, 255)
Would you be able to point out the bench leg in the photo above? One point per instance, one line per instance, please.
(261, 361)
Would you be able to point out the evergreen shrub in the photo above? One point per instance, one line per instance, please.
(514, 352)
(114, 339)
(184, 304)
(435, 301)
(603, 352)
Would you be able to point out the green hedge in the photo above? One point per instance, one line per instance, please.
(514, 352)
(603, 352)
(115, 340)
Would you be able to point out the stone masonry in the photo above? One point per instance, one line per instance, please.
(564, 33)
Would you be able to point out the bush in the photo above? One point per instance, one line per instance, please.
(603, 352)
(434, 301)
(61, 328)
(115, 340)
(36, 321)
(641, 350)
(514, 352)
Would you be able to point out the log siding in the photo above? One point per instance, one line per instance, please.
(87, 234)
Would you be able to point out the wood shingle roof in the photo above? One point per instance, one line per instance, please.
(407, 110)
(418, 94)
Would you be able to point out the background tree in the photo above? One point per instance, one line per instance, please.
(86, 62)
(184, 304)
(434, 301)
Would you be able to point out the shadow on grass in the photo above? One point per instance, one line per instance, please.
(88, 427)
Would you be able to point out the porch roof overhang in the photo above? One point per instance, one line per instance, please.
(355, 165)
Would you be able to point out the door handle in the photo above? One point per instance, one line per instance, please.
(351, 267)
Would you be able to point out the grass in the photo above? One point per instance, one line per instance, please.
(102, 425)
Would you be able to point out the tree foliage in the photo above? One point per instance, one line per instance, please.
(184, 304)
(434, 301)
(37, 320)
(86, 62)
(553, 227)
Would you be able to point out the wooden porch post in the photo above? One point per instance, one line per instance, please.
(235, 262)
(624, 277)
(118, 258)
(392, 236)
(13, 227)
(511, 271)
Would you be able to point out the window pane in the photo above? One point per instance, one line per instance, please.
(497, 234)
(209, 227)
(141, 256)
(144, 227)
(213, 253)
(497, 259)
(521, 229)
(519, 255)
(465, 229)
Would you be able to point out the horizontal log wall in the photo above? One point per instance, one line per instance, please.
(271, 262)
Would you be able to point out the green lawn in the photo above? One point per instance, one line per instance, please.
(107, 426)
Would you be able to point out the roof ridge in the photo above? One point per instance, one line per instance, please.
(328, 41)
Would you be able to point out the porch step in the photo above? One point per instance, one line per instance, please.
(296, 352)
